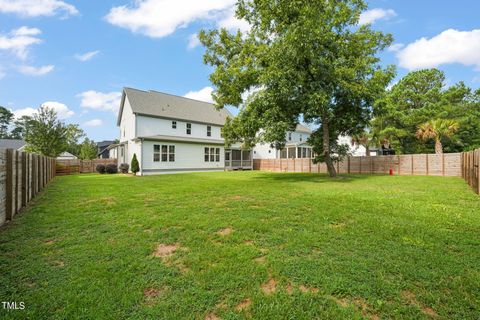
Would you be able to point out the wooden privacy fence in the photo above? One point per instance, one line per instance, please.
(22, 176)
(66, 167)
(471, 169)
(448, 164)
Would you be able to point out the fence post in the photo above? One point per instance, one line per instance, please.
(24, 179)
(15, 158)
(478, 171)
(9, 184)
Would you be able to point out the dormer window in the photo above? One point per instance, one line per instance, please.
(189, 128)
(301, 138)
(289, 136)
(209, 131)
(174, 124)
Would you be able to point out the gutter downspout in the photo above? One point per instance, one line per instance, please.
(141, 157)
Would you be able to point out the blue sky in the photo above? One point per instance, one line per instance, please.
(77, 55)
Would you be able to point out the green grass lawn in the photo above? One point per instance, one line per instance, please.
(245, 245)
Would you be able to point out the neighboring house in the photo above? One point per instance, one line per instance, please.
(174, 134)
(296, 146)
(66, 156)
(16, 144)
(113, 151)
(102, 149)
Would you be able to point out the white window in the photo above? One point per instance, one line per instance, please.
(301, 138)
(156, 153)
(165, 153)
(212, 154)
(189, 128)
(289, 136)
(209, 131)
(174, 124)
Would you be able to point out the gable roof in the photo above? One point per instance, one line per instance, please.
(303, 128)
(163, 105)
(12, 143)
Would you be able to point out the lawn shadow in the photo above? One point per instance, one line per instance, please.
(313, 177)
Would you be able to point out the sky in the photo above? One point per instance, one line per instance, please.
(76, 56)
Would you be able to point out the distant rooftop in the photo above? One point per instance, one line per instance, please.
(12, 143)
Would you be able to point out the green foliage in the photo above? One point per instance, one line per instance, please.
(420, 97)
(74, 134)
(134, 166)
(20, 127)
(5, 119)
(45, 134)
(303, 59)
(87, 150)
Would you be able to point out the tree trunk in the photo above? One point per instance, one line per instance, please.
(326, 150)
(367, 150)
(438, 146)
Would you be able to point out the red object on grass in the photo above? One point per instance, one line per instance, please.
(391, 172)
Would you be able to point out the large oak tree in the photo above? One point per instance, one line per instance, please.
(301, 59)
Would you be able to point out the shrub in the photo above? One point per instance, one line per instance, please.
(134, 165)
(111, 168)
(124, 168)
(100, 168)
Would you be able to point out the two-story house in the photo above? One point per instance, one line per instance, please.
(296, 146)
(169, 133)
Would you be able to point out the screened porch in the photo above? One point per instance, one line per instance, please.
(236, 159)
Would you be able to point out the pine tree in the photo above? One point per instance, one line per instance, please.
(134, 164)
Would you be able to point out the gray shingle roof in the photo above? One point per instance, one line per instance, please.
(164, 105)
(12, 143)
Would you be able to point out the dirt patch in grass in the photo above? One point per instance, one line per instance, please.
(105, 200)
(289, 288)
(362, 305)
(49, 242)
(269, 287)
(58, 263)
(164, 251)
(412, 299)
(225, 232)
(212, 316)
(305, 289)
(245, 304)
(151, 293)
(249, 243)
(342, 302)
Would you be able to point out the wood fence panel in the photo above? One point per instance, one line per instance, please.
(67, 167)
(22, 176)
(449, 164)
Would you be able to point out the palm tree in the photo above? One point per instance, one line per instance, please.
(437, 129)
(362, 139)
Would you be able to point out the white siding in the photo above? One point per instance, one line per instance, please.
(127, 123)
(149, 126)
(188, 156)
(264, 151)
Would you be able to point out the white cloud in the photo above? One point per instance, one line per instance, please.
(86, 56)
(204, 94)
(36, 71)
(93, 123)
(35, 8)
(370, 16)
(63, 112)
(396, 47)
(450, 46)
(160, 18)
(193, 41)
(100, 101)
(18, 41)
(230, 22)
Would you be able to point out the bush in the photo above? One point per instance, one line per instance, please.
(111, 168)
(124, 168)
(134, 165)
(100, 168)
